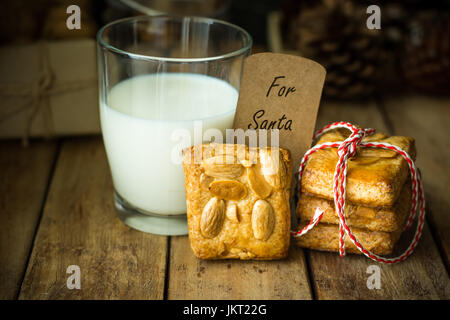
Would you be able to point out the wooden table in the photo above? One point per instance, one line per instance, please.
(56, 210)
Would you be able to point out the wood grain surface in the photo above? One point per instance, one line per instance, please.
(421, 276)
(24, 177)
(192, 278)
(79, 227)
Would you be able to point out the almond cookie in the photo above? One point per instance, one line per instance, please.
(238, 201)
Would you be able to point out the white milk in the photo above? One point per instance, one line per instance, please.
(137, 125)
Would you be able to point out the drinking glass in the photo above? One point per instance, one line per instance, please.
(158, 77)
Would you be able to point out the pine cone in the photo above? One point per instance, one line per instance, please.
(334, 33)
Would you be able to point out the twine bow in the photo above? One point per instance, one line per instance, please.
(346, 150)
(38, 93)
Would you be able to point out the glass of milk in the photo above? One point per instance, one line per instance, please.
(163, 81)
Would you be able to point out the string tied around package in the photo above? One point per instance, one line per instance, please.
(346, 150)
(37, 94)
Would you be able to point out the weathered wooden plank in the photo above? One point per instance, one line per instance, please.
(427, 119)
(192, 278)
(24, 178)
(421, 276)
(79, 227)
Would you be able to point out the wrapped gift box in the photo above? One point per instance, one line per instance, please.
(49, 88)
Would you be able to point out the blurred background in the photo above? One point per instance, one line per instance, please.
(410, 51)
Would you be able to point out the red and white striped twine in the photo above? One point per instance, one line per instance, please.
(346, 150)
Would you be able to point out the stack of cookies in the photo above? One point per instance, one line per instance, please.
(378, 195)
